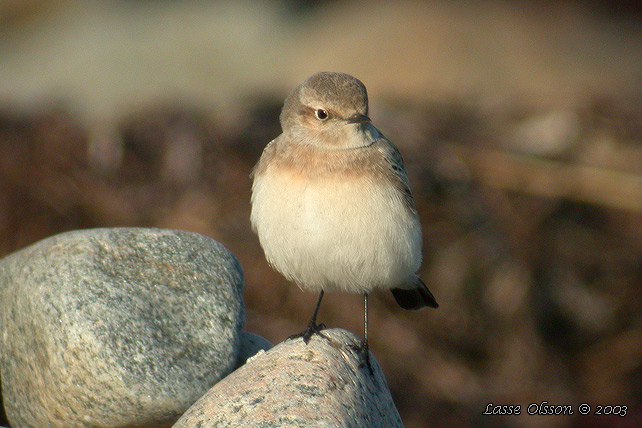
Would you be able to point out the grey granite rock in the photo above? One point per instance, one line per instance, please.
(320, 384)
(122, 327)
(250, 345)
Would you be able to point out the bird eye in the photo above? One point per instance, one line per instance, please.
(321, 114)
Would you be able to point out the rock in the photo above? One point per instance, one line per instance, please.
(320, 384)
(250, 345)
(116, 327)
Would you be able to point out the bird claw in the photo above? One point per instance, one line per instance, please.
(363, 349)
(310, 331)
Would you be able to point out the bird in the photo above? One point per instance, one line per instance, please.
(331, 202)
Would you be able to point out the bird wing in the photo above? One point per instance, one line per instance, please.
(398, 169)
(268, 153)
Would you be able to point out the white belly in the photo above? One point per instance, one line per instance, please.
(335, 234)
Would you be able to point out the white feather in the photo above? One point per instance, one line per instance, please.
(336, 234)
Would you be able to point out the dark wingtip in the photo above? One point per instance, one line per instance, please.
(415, 298)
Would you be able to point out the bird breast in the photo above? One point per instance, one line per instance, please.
(335, 228)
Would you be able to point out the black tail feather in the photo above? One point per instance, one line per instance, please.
(415, 298)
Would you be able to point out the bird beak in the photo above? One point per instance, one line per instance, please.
(358, 118)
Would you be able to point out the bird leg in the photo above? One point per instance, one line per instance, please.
(313, 327)
(364, 348)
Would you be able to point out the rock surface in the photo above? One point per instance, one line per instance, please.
(250, 345)
(320, 384)
(116, 327)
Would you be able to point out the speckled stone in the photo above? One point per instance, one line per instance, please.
(122, 327)
(320, 384)
(250, 345)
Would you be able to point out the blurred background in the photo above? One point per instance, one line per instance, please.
(520, 123)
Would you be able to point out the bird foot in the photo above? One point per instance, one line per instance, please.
(363, 349)
(312, 329)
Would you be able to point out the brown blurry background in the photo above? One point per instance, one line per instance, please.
(520, 123)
